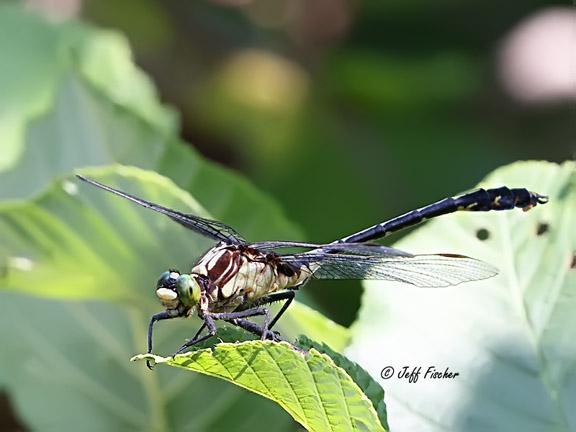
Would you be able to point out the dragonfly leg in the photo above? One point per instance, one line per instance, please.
(259, 331)
(264, 332)
(199, 330)
(208, 322)
(274, 297)
(157, 317)
(265, 328)
(227, 316)
(288, 296)
(255, 329)
(240, 314)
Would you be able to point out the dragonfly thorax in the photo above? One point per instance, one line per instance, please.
(237, 274)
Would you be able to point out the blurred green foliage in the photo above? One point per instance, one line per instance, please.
(348, 113)
(378, 106)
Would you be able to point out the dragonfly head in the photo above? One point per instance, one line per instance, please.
(175, 289)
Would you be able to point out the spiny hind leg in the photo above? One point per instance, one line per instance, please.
(288, 296)
(208, 322)
(209, 319)
(256, 329)
(240, 315)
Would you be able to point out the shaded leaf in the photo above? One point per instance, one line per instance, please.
(66, 364)
(512, 338)
(57, 96)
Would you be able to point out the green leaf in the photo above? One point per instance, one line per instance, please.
(304, 320)
(62, 110)
(512, 338)
(367, 384)
(99, 117)
(26, 81)
(228, 196)
(77, 242)
(77, 353)
(310, 386)
(55, 95)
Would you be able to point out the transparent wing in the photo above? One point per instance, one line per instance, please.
(420, 270)
(347, 248)
(209, 228)
(279, 244)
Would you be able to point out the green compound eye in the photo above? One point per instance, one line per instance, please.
(188, 290)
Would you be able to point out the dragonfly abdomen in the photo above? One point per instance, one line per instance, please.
(501, 198)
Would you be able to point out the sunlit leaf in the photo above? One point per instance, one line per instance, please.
(318, 394)
(72, 88)
(303, 320)
(362, 378)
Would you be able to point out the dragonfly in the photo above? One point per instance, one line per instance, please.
(237, 280)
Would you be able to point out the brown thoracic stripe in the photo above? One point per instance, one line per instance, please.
(222, 262)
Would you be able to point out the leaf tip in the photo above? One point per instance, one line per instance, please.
(140, 357)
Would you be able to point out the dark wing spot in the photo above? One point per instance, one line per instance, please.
(573, 263)
(482, 234)
(542, 228)
(449, 255)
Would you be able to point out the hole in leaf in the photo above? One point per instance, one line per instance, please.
(9, 420)
(482, 234)
(542, 228)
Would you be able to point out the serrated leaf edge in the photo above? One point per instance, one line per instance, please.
(342, 374)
